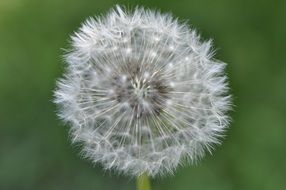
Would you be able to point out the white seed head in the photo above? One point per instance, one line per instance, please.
(142, 93)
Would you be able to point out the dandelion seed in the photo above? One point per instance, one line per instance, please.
(142, 92)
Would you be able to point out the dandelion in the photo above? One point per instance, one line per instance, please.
(142, 93)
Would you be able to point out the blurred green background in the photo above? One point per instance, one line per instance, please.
(35, 152)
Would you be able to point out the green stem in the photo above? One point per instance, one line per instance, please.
(143, 182)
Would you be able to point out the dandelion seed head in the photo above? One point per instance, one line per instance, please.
(142, 93)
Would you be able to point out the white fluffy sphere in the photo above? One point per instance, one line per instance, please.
(142, 93)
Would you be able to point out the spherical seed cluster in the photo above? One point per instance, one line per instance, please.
(142, 92)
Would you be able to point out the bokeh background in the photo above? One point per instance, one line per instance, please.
(35, 152)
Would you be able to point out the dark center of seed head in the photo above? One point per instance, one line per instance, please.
(144, 94)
